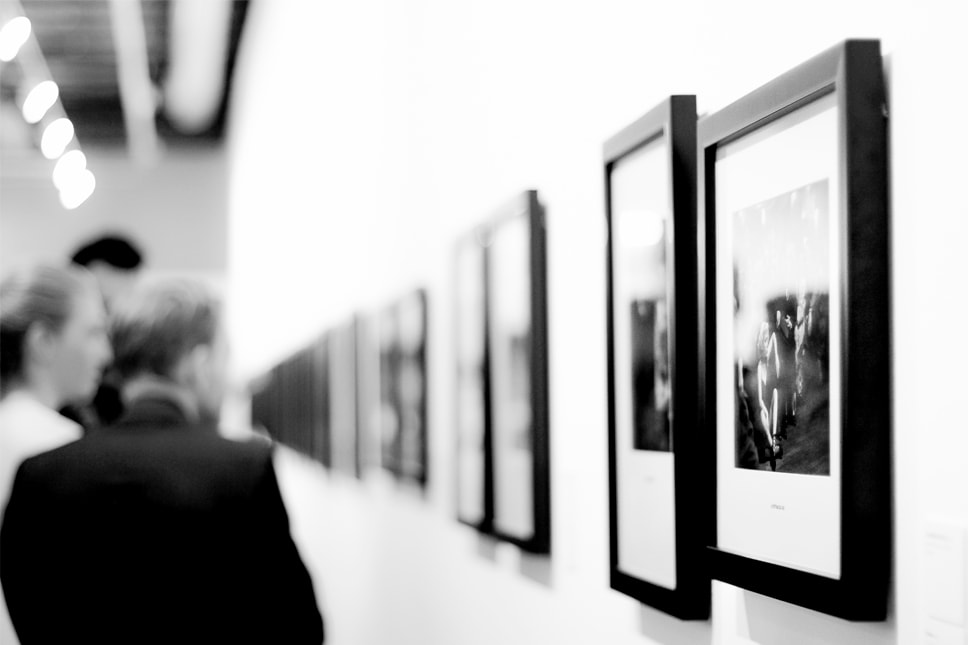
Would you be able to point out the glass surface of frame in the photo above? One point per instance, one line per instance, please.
(320, 400)
(796, 347)
(474, 468)
(368, 388)
(341, 387)
(412, 385)
(403, 387)
(641, 215)
(657, 496)
(511, 378)
(389, 390)
(517, 351)
(778, 343)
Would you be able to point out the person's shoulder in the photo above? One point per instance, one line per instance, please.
(230, 466)
(249, 453)
(38, 427)
(48, 467)
(242, 447)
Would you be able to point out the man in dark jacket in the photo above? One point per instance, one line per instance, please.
(157, 529)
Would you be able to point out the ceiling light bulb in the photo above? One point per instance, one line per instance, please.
(71, 164)
(12, 37)
(56, 137)
(78, 189)
(39, 100)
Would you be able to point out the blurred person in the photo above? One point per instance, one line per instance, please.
(53, 345)
(157, 529)
(116, 263)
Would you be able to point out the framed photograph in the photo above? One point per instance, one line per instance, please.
(518, 372)
(341, 385)
(389, 413)
(368, 388)
(403, 387)
(262, 405)
(318, 399)
(475, 468)
(796, 346)
(658, 499)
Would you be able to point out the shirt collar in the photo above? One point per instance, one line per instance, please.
(156, 387)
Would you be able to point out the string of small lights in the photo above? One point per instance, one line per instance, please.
(39, 100)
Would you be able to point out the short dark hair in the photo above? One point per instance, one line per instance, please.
(111, 249)
(159, 323)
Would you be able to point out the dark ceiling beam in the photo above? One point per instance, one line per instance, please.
(77, 40)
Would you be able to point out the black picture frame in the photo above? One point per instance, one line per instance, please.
(403, 332)
(341, 386)
(521, 360)
(667, 133)
(318, 399)
(368, 403)
(474, 474)
(848, 76)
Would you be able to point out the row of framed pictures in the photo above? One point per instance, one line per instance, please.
(748, 347)
(748, 355)
(357, 395)
(364, 383)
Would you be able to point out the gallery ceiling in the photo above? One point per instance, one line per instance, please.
(134, 74)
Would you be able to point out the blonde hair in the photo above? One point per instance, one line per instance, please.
(43, 294)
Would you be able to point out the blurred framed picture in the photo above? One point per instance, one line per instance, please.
(319, 399)
(796, 344)
(518, 372)
(291, 402)
(389, 403)
(341, 386)
(657, 494)
(403, 387)
(368, 389)
(262, 406)
(475, 468)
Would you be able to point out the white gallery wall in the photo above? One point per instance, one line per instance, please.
(367, 136)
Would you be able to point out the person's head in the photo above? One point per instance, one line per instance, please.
(53, 338)
(114, 261)
(171, 329)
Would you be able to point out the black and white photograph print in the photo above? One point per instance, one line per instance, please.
(389, 414)
(651, 389)
(403, 387)
(520, 414)
(781, 278)
(642, 265)
(412, 384)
